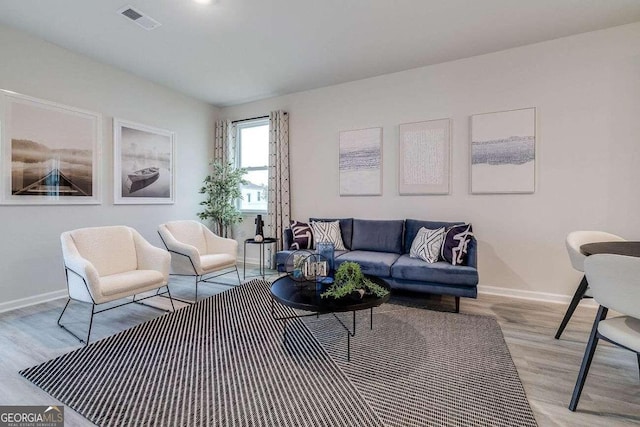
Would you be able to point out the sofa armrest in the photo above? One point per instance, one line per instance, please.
(83, 281)
(472, 253)
(218, 245)
(151, 257)
(184, 255)
(287, 238)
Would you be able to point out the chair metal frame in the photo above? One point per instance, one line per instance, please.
(94, 304)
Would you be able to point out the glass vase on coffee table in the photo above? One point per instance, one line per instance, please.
(327, 250)
(305, 266)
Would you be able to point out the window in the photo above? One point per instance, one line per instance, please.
(252, 143)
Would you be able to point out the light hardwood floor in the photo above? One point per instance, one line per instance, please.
(547, 367)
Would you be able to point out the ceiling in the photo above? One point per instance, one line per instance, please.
(235, 51)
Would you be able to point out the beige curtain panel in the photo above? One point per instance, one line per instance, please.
(279, 207)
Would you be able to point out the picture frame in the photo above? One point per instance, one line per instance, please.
(360, 162)
(424, 157)
(144, 164)
(503, 152)
(50, 152)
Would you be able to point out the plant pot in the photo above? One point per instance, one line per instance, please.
(357, 295)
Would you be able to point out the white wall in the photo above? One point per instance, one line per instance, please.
(587, 92)
(31, 262)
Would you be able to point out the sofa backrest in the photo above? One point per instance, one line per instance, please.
(189, 232)
(346, 228)
(110, 249)
(377, 235)
(411, 227)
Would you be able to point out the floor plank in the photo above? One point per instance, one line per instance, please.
(547, 367)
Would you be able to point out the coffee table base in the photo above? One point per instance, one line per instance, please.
(350, 332)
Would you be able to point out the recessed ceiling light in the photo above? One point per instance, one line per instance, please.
(203, 1)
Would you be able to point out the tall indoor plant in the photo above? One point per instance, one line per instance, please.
(222, 189)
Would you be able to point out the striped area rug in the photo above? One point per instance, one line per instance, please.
(426, 368)
(220, 362)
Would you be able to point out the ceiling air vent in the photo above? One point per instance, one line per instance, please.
(139, 18)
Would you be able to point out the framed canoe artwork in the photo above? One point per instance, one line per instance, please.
(144, 160)
(50, 152)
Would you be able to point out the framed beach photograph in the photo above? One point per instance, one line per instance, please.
(144, 164)
(503, 152)
(424, 157)
(360, 162)
(50, 152)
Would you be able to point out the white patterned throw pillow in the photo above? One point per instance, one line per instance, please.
(328, 232)
(427, 243)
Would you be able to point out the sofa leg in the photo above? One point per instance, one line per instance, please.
(238, 274)
(173, 307)
(93, 310)
(457, 304)
(63, 310)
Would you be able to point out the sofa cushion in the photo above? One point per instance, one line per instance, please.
(373, 263)
(346, 228)
(427, 244)
(217, 261)
(439, 272)
(302, 235)
(377, 235)
(411, 227)
(456, 244)
(328, 231)
(130, 282)
(110, 249)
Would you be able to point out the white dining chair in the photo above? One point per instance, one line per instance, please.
(615, 284)
(574, 240)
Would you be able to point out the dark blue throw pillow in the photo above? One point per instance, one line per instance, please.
(302, 235)
(456, 243)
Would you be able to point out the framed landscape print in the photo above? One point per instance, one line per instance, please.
(424, 157)
(503, 152)
(144, 160)
(50, 152)
(361, 162)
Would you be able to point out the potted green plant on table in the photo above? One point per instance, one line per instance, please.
(222, 189)
(350, 281)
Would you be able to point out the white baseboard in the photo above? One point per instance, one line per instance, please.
(252, 261)
(487, 290)
(36, 299)
(531, 295)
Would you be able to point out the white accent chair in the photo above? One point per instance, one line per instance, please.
(615, 283)
(103, 264)
(574, 240)
(196, 251)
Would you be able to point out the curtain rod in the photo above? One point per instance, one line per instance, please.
(252, 118)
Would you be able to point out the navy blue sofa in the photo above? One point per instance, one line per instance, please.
(381, 247)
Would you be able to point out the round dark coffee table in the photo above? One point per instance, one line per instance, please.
(306, 296)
